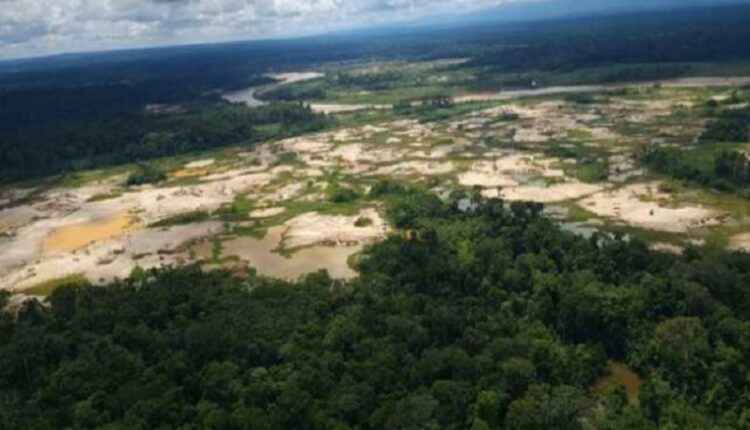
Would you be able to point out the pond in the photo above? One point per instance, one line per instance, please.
(260, 254)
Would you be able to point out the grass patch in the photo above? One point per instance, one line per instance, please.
(255, 232)
(576, 213)
(103, 196)
(182, 219)
(703, 157)
(216, 250)
(341, 194)
(238, 210)
(325, 208)
(590, 171)
(363, 222)
(48, 287)
(579, 134)
(80, 178)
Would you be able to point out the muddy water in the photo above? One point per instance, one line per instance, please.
(620, 374)
(260, 254)
(74, 237)
(15, 217)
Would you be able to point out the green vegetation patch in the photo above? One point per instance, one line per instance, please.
(146, 174)
(181, 219)
(238, 210)
(725, 167)
(363, 222)
(342, 194)
(48, 287)
(104, 196)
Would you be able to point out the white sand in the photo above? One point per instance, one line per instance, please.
(410, 168)
(332, 108)
(290, 78)
(499, 171)
(640, 205)
(486, 179)
(666, 247)
(267, 213)
(106, 260)
(740, 242)
(286, 192)
(317, 229)
(553, 193)
(306, 145)
(200, 164)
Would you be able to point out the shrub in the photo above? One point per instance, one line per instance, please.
(146, 174)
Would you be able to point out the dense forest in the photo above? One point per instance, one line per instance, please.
(85, 144)
(632, 39)
(728, 170)
(485, 319)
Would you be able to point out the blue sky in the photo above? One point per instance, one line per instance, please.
(41, 27)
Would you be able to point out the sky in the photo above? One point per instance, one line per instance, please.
(43, 27)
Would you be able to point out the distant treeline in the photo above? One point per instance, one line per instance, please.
(89, 143)
(714, 35)
(489, 319)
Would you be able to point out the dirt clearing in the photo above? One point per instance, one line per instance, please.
(644, 206)
(75, 237)
(318, 229)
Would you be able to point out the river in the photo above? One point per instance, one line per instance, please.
(248, 97)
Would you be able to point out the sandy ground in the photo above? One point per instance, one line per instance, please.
(332, 108)
(109, 259)
(740, 242)
(64, 226)
(644, 206)
(486, 179)
(286, 192)
(12, 218)
(75, 237)
(267, 213)
(666, 247)
(419, 168)
(9, 195)
(200, 164)
(305, 145)
(551, 194)
(293, 77)
(503, 168)
(317, 229)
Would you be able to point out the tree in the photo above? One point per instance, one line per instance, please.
(682, 349)
(546, 408)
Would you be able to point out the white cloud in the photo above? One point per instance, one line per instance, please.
(30, 27)
(43, 26)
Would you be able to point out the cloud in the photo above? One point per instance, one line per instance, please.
(31, 27)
